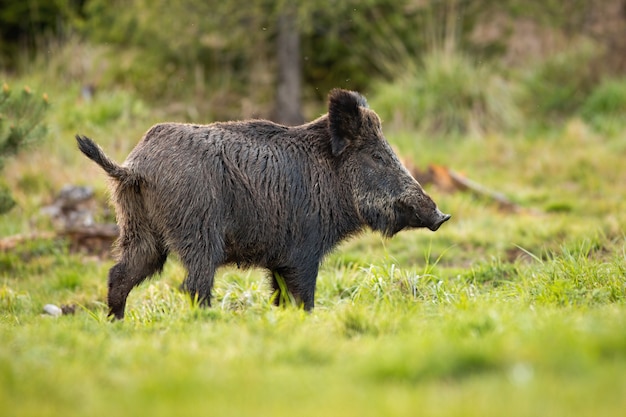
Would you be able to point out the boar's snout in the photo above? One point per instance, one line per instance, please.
(420, 210)
(438, 219)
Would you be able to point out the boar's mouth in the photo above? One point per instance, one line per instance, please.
(411, 217)
(442, 218)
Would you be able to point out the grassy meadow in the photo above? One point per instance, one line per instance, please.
(497, 313)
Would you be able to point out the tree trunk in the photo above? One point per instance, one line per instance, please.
(289, 84)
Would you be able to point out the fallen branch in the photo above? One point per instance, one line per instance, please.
(11, 242)
(95, 239)
(96, 231)
(449, 180)
(466, 184)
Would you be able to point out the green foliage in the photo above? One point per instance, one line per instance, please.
(228, 49)
(209, 54)
(605, 108)
(105, 108)
(217, 60)
(21, 117)
(23, 24)
(6, 200)
(559, 86)
(449, 94)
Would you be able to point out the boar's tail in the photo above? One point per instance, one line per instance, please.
(95, 153)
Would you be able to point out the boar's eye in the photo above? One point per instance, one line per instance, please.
(377, 157)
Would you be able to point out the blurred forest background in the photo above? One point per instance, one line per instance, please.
(451, 69)
(441, 66)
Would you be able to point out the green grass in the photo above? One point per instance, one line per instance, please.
(495, 314)
(383, 341)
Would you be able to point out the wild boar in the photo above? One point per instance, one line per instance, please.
(255, 193)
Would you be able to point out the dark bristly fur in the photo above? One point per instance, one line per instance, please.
(256, 193)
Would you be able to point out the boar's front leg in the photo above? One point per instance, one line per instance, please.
(199, 285)
(300, 282)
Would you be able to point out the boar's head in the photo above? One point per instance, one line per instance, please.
(387, 198)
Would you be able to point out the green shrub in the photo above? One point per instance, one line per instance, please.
(605, 108)
(558, 86)
(6, 200)
(449, 94)
(106, 107)
(21, 116)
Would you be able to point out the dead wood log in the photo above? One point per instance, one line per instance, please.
(451, 181)
(465, 184)
(11, 242)
(96, 239)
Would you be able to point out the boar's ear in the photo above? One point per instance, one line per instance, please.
(344, 118)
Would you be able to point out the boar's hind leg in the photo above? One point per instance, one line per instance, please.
(137, 262)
